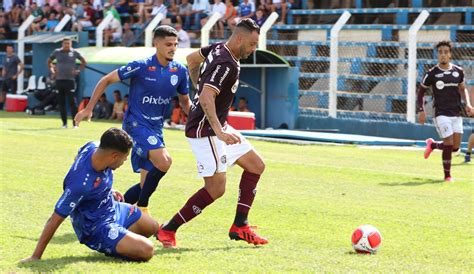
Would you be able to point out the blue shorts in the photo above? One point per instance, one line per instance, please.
(144, 140)
(106, 237)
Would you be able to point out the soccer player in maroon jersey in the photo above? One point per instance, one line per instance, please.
(447, 83)
(215, 144)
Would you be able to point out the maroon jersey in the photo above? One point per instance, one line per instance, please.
(445, 87)
(220, 72)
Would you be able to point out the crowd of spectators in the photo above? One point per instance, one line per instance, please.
(131, 16)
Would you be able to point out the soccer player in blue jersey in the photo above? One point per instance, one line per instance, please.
(447, 83)
(100, 221)
(153, 83)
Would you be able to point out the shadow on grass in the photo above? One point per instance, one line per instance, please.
(59, 239)
(163, 251)
(60, 263)
(414, 182)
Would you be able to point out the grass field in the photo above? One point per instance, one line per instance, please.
(309, 201)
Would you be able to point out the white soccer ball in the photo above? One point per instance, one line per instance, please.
(366, 239)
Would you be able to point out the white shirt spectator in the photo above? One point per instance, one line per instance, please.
(220, 8)
(202, 5)
(7, 5)
(183, 39)
(115, 24)
(159, 9)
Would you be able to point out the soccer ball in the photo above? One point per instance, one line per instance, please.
(366, 239)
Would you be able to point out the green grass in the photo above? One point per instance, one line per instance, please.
(309, 201)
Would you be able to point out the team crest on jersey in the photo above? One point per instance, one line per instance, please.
(71, 54)
(151, 68)
(173, 69)
(174, 79)
(440, 85)
(97, 182)
(152, 140)
(456, 74)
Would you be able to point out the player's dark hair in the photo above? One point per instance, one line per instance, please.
(249, 25)
(165, 31)
(445, 43)
(116, 139)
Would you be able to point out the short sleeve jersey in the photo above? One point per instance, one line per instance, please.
(10, 65)
(87, 196)
(445, 87)
(65, 63)
(220, 72)
(152, 86)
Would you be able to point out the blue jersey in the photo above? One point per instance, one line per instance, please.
(87, 196)
(152, 87)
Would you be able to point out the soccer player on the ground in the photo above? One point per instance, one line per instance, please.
(100, 221)
(447, 83)
(470, 145)
(154, 82)
(214, 143)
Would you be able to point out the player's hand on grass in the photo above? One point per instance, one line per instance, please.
(83, 114)
(421, 117)
(228, 137)
(29, 259)
(118, 196)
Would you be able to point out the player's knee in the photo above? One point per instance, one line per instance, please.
(146, 252)
(164, 165)
(216, 191)
(260, 167)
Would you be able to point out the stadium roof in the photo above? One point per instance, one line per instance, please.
(48, 38)
(123, 55)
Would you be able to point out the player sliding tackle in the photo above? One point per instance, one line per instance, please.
(447, 82)
(216, 144)
(100, 220)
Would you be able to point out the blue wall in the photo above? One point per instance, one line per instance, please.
(403, 130)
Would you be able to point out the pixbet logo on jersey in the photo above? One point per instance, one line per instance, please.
(156, 100)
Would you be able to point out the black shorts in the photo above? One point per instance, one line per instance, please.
(9, 85)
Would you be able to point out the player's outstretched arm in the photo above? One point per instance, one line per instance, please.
(207, 100)
(49, 229)
(194, 63)
(99, 89)
(467, 98)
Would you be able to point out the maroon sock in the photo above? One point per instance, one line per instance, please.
(247, 191)
(437, 145)
(447, 150)
(191, 209)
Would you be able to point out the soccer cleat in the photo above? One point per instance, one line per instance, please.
(246, 233)
(448, 180)
(64, 126)
(467, 158)
(166, 237)
(428, 148)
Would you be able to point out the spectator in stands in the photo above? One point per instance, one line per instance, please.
(265, 5)
(10, 73)
(122, 7)
(15, 13)
(158, 7)
(103, 108)
(220, 8)
(259, 17)
(183, 37)
(243, 104)
(184, 13)
(246, 10)
(118, 110)
(128, 37)
(172, 13)
(140, 8)
(65, 73)
(230, 12)
(37, 12)
(52, 22)
(5, 30)
(113, 32)
(201, 10)
(281, 7)
(85, 20)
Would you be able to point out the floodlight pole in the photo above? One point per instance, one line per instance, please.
(21, 50)
(149, 29)
(206, 29)
(411, 91)
(334, 56)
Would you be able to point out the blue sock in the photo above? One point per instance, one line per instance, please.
(151, 182)
(132, 194)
